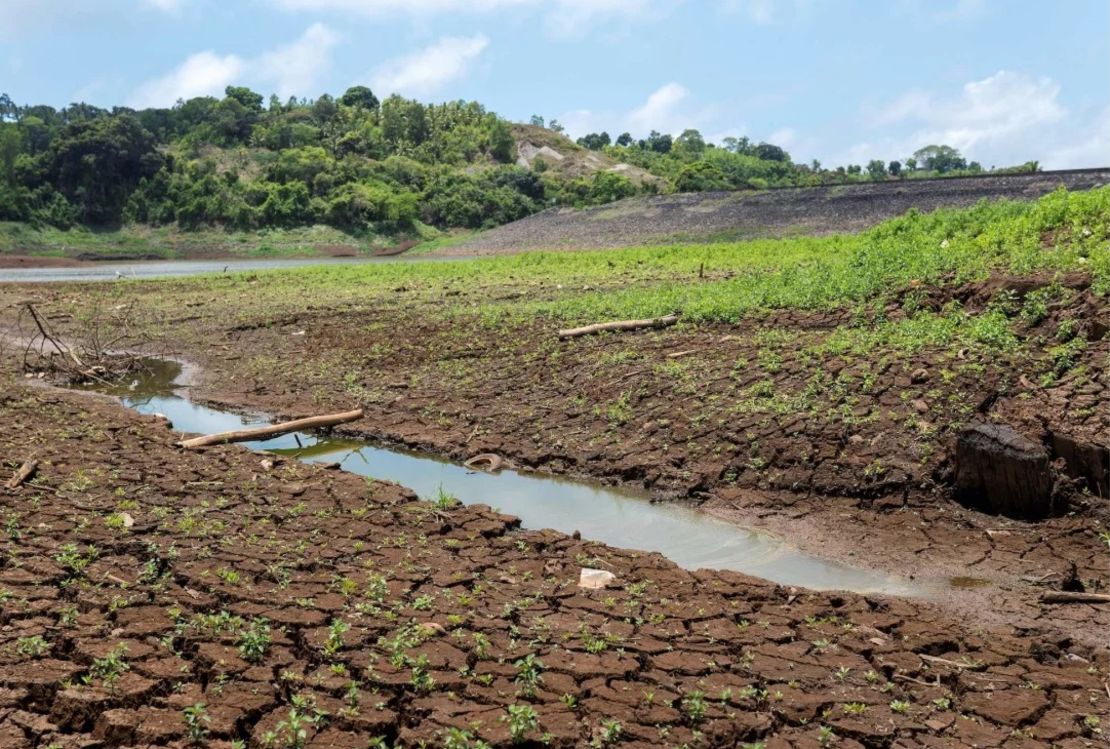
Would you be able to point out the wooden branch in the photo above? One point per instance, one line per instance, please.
(1064, 597)
(655, 322)
(25, 472)
(274, 430)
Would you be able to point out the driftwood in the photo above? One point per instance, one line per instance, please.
(655, 322)
(25, 472)
(274, 430)
(1065, 597)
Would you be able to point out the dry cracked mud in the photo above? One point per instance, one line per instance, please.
(140, 581)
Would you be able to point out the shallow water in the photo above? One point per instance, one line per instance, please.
(173, 268)
(615, 516)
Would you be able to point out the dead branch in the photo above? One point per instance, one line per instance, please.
(25, 472)
(655, 322)
(1057, 596)
(274, 430)
(88, 353)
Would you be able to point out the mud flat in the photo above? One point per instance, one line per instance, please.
(142, 580)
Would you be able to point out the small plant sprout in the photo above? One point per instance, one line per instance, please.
(111, 666)
(254, 641)
(196, 722)
(611, 731)
(335, 636)
(444, 500)
(528, 675)
(693, 704)
(522, 720)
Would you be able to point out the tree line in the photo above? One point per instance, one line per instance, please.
(691, 164)
(353, 162)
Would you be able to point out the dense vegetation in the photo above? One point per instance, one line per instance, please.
(354, 163)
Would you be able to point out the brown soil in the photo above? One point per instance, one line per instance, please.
(440, 607)
(860, 472)
(856, 466)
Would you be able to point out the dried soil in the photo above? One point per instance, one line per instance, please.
(440, 604)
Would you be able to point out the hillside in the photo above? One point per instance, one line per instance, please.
(545, 151)
(734, 215)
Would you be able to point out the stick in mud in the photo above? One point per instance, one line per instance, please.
(1065, 597)
(274, 430)
(655, 322)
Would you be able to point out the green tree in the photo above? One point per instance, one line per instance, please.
(689, 146)
(876, 169)
(940, 159)
(770, 152)
(594, 141)
(360, 96)
(700, 176)
(95, 165)
(249, 99)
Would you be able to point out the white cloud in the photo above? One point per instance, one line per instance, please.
(1000, 120)
(766, 12)
(427, 70)
(166, 6)
(568, 18)
(389, 7)
(661, 111)
(562, 18)
(202, 74)
(288, 70)
(668, 109)
(1088, 147)
(296, 67)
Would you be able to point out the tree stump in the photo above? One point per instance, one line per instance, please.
(1001, 471)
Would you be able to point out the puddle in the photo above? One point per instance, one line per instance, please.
(615, 516)
(968, 583)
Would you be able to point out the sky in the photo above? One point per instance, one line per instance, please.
(841, 81)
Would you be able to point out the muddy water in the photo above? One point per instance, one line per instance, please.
(614, 516)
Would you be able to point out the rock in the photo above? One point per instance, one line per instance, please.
(921, 406)
(128, 521)
(1002, 471)
(919, 376)
(594, 579)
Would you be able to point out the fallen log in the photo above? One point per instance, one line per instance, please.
(655, 322)
(25, 472)
(1065, 597)
(274, 430)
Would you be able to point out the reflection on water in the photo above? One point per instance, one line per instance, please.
(614, 516)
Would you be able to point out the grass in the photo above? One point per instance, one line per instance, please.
(721, 282)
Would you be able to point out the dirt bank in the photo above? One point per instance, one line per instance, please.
(699, 217)
(152, 595)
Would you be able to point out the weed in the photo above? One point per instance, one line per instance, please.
(196, 722)
(254, 641)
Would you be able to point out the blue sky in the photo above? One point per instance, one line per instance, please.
(836, 80)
